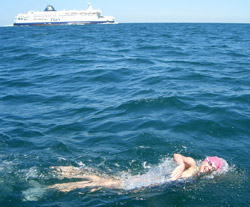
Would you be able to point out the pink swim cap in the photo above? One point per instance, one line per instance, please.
(217, 161)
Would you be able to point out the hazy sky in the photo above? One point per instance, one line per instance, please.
(141, 10)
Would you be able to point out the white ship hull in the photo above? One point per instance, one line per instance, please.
(62, 23)
(71, 17)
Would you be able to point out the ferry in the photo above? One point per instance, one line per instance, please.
(65, 17)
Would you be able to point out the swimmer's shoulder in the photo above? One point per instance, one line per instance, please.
(189, 161)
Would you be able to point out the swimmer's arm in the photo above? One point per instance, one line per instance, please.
(183, 164)
(188, 161)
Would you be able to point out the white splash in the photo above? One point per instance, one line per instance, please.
(32, 173)
(156, 175)
(34, 193)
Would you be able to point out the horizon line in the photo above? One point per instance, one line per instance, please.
(10, 25)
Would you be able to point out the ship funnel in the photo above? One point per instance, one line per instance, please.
(49, 8)
(89, 5)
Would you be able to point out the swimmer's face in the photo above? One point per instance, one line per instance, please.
(207, 166)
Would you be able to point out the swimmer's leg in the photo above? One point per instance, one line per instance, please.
(73, 172)
(96, 182)
(64, 168)
(76, 173)
(67, 187)
(68, 172)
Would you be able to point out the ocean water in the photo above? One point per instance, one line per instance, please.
(119, 101)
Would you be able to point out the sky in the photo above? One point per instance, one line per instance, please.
(127, 11)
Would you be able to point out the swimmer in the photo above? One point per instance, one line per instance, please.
(186, 168)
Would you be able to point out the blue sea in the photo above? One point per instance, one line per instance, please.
(119, 101)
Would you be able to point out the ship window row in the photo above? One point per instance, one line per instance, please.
(42, 15)
(22, 18)
(82, 14)
(67, 14)
(72, 14)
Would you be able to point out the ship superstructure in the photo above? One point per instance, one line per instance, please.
(65, 17)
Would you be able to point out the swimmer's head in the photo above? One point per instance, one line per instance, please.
(211, 164)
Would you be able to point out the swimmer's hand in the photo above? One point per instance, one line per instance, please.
(177, 173)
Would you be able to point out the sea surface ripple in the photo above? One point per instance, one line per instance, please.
(120, 100)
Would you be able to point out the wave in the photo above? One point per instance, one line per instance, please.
(108, 96)
(152, 104)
